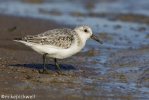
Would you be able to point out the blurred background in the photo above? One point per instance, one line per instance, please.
(116, 69)
(111, 19)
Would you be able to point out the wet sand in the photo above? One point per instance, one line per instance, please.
(19, 67)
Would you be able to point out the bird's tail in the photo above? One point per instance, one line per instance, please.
(17, 39)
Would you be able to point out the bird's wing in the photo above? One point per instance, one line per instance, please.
(59, 38)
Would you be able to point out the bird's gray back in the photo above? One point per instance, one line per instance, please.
(61, 38)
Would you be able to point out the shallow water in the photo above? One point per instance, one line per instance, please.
(120, 64)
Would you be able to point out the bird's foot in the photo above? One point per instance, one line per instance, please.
(60, 72)
(44, 71)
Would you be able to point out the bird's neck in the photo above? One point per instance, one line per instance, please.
(80, 41)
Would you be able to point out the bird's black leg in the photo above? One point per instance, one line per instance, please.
(44, 65)
(56, 64)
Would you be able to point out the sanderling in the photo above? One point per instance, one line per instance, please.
(59, 43)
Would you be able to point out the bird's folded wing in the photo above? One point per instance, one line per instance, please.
(58, 38)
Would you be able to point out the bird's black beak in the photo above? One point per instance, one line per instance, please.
(96, 39)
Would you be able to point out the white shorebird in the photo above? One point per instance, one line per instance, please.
(59, 43)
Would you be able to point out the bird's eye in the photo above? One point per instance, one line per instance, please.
(85, 30)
